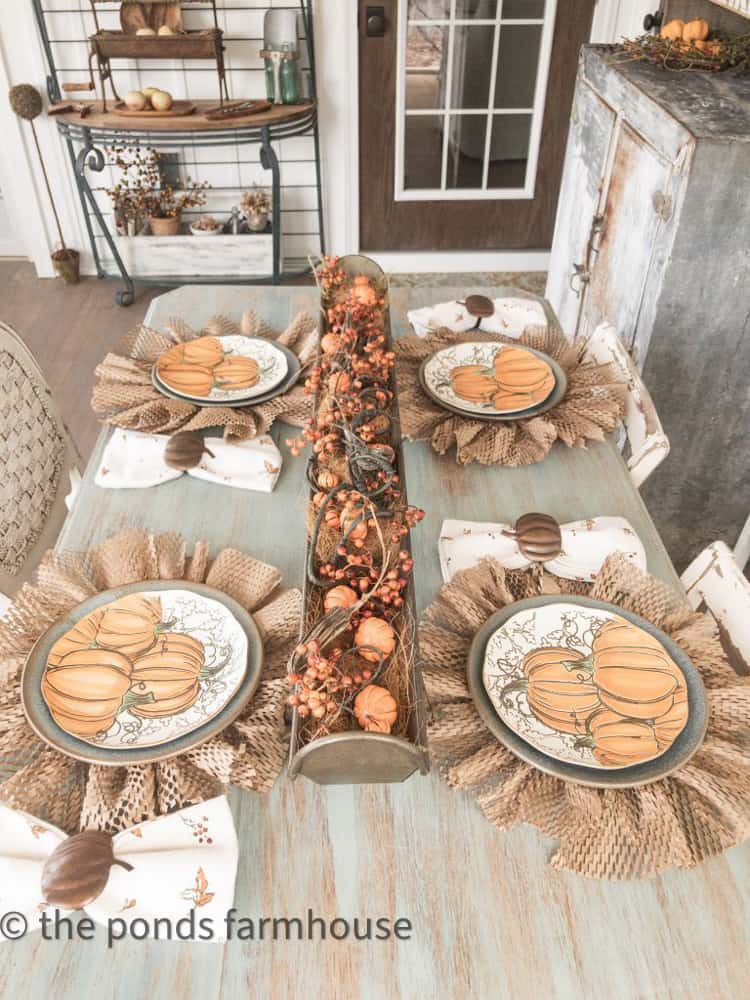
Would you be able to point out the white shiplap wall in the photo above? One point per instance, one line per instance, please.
(228, 169)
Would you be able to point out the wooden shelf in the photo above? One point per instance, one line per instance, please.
(110, 122)
(187, 45)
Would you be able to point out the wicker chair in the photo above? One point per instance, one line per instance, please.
(37, 460)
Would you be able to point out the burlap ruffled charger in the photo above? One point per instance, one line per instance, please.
(592, 407)
(699, 810)
(124, 394)
(249, 753)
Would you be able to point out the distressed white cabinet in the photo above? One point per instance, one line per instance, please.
(653, 237)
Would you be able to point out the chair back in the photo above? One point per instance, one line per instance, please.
(37, 457)
(715, 580)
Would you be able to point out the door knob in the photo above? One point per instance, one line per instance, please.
(654, 20)
(375, 20)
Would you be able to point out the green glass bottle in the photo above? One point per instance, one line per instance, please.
(289, 78)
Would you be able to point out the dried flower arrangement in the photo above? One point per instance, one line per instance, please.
(141, 194)
(353, 667)
(690, 45)
(255, 202)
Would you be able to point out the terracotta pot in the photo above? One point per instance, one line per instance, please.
(66, 263)
(165, 227)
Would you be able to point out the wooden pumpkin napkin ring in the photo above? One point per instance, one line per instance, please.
(538, 537)
(185, 449)
(77, 871)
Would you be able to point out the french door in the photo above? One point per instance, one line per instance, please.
(464, 108)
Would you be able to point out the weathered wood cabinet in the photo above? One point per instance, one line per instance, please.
(653, 236)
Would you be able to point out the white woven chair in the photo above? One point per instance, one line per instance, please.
(37, 460)
(713, 578)
(646, 443)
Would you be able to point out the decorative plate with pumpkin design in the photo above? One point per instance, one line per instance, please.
(221, 369)
(149, 667)
(588, 685)
(493, 381)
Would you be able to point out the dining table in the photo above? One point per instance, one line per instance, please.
(488, 916)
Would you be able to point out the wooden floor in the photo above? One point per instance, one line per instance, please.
(70, 329)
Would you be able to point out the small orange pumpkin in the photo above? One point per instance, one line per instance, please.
(378, 634)
(327, 479)
(340, 597)
(237, 373)
(696, 30)
(375, 709)
(191, 379)
(81, 636)
(130, 625)
(339, 383)
(473, 383)
(618, 742)
(363, 292)
(331, 343)
(673, 30)
(559, 697)
(171, 673)
(84, 691)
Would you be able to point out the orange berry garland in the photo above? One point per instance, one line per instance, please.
(359, 563)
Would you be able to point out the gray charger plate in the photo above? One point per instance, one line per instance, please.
(683, 748)
(555, 397)
(40, 718)
(295, 367)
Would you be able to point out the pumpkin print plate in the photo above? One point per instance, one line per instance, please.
(223, 370)
(493, 381)
(141, 673)
(587, 691)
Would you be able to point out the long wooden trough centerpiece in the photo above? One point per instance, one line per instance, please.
(357, 699)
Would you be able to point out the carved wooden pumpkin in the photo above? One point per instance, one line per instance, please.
(561, 698)
(237, 373)
(669, 726)
(538, 536)
(81, 636)
(696, 30)
(479, 306)
(131, 624)
(378, 634)
(185, 449)
(618, 742)
(375, 709)
(84, 691)
(331, 343)
(473, 383)
(340, 597)
(632, 671)
(194, 380)
(170, 672)
(77, 871)
(520, 371)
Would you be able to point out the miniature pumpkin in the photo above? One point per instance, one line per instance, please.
(327, 479)
(130, 625)
(340, 597)
(375, 709)
(618, 742)
(633, 673)
(696, 30)
(81, 636)
(673, 30)
(363, 292)
(185, 449)
(77, 871)
(518, 370)
(170, 672)
(191, 379)
(559, 697)
(330, 343)
(339, 382)
(538, 537)
(84, 691)
(473, 382)
(669, 726)
(479, 306)
(378, 634)
(237, 373)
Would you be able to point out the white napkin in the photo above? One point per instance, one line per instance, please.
(186, 860)
(511, 317)
(585, 546)
(133, 460)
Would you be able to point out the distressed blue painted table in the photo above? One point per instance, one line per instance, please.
(489, 917)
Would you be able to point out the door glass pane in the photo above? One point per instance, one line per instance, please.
(514, 10)
(472, 59)
(428, 10)
(423, 151)
(467, 135)
(509, 151)
(426, 58)
(477, 9)
(517, 65)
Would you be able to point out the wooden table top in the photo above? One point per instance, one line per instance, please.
(490, 918)
(109, 120)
